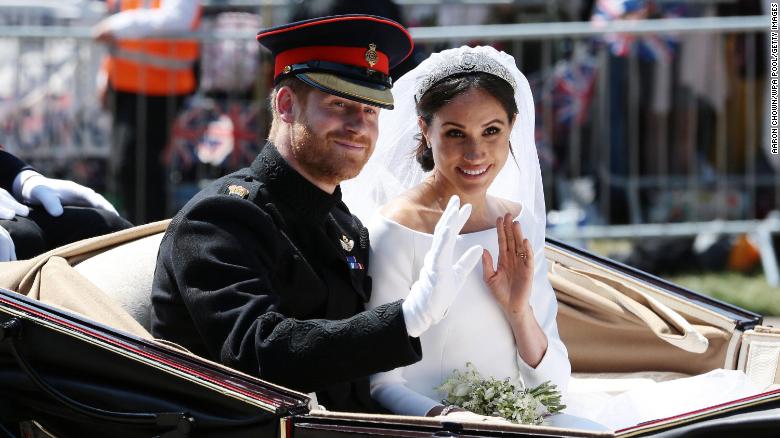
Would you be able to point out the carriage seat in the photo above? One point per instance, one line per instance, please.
(125, 273)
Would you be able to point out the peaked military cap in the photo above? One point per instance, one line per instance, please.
(345, 55)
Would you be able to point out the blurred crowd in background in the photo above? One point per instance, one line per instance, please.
(632, 128)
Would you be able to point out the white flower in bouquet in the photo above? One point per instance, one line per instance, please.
(500, 398)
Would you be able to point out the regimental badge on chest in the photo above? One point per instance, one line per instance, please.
(347, 243)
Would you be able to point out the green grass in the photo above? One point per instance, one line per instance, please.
(750, 292)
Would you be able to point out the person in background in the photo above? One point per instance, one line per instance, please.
(144, 81)
(62, 211)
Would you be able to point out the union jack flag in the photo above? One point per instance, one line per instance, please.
(572, 90)
(185, 132)
(568, 91)
(221, 134)
(660, 47)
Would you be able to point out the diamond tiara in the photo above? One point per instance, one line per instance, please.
(465, 62)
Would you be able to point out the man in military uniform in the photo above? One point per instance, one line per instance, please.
(265, 269)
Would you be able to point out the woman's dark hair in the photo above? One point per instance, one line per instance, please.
(446, 90)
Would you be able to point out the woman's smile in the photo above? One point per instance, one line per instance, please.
(473, 172)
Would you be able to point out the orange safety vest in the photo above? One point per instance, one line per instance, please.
(153, 67)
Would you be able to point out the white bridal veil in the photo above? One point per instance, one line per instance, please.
(393, 169)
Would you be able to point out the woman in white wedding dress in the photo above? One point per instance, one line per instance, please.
(472, 104)
(464, 125)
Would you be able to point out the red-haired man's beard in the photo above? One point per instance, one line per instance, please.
(324, 156)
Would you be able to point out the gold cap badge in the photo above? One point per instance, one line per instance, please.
(371, 55)
(240, 191)
(347, 243)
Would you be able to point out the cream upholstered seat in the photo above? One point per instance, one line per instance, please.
(125, 274)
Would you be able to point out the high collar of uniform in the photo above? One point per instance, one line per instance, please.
(291, 188)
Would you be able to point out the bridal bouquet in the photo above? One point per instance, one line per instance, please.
(501, 398)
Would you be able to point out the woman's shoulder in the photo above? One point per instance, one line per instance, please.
(530, 228)
(394, 240)
(503, 206)
(410, 212)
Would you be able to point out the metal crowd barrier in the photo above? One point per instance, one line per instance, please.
(680, 165)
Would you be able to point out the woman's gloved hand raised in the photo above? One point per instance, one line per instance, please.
(440, 279)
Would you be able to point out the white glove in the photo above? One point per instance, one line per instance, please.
(440, 280)
(7, 248)
(10, 208)
(52, 194)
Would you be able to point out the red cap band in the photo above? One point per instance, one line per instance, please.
(355, 56)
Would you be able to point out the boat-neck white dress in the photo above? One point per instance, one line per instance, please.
(474, 329)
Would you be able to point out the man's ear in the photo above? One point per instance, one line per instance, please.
(285, 102)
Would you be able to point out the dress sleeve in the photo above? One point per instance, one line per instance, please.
(555, 365)
(389, 390)
(392, 270)
(223, 252)
(173, 16)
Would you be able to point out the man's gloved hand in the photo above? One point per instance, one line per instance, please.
(10, 207)
(7, 248)
(440, 280)
(52, 194)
